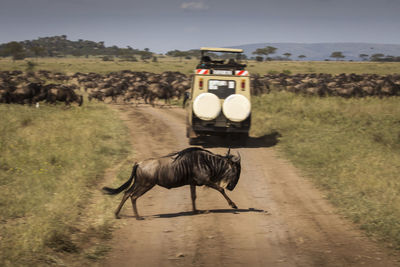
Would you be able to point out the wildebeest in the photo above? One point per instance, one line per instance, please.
(192, 166)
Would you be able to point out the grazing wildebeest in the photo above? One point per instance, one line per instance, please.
(192, 166)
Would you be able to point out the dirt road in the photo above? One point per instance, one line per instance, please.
(282, 219)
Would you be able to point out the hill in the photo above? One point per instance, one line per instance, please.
(60, 46)
(322, 51)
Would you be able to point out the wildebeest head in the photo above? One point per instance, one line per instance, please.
(233, 173)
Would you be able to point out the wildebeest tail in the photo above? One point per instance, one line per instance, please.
(112, 191)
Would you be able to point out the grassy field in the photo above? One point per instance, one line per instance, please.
(51, 159)
(71, 65)
(349, 147)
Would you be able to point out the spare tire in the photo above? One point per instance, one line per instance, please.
(236, 107)
(207, 106)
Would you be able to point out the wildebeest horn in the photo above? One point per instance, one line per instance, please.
(227, 153)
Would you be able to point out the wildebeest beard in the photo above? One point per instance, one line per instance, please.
(192, 166)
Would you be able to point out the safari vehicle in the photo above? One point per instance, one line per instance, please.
(219, 101)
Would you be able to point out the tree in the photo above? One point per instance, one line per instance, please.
(301, 56)
(337, 55)
(144, 55)
(363, 56)
(390, 58)
(377, 57)
(259, 52)
(177, 53)
(76, 53)
(265, 51)
(15, 49)
(287, 55)
(38, 51)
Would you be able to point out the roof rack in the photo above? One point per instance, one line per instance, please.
(217, 49)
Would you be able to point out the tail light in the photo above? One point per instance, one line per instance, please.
(201, 83)
(243, 84)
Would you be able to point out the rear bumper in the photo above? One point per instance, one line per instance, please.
(220, 126)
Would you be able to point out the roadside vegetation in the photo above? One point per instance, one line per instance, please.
(348, 147)
(51, 161)
(70, 65)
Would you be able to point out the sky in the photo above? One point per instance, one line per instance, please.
(164, 25)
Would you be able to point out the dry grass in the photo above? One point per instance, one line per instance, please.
(71, 65)
(349, 147)
(51, 159)
(332, 67)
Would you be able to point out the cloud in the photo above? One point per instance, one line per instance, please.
(194, 6)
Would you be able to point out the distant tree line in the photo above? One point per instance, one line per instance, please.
(270, 50)
(263, 54)
(60, 46)
(196, 53)
(382, 58)
(379, 57)
(189, 54)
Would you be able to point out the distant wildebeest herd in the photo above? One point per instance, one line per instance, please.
(29, 88)
(124, 86)
(323, 84)
(134, 86)
(129, 86)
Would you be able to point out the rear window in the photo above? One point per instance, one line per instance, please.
(221, 88)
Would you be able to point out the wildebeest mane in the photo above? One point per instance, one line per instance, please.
(186, 151)
(202, 159)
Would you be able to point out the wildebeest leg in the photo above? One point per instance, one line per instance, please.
(124, 198)
(139, 191)
(193, 195)
(222, 191)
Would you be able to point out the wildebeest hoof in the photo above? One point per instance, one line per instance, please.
(139, 218)
(117, 216)
(234, 206)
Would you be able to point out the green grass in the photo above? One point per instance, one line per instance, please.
(51, 159)
(70, 65)
(349, 147)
